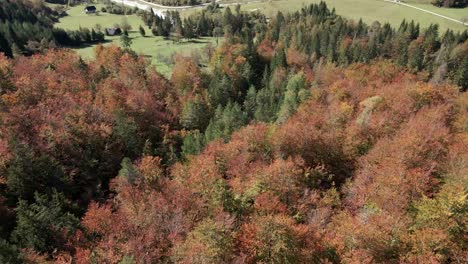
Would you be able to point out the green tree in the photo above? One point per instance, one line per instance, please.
(125, 40)
(219, 90)
(27, 173)
(128, 171)
(268, 99)
(142, 31)
(5, 46)
(193, 143)
(225, 122)
(461, 78)
(9, 254)
(250, 103)
(295, 94)
(195, 115)
(126, 132)
(415, 56)
(44, 224)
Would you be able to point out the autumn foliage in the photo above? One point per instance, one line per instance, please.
(270, 155)
(368, 170)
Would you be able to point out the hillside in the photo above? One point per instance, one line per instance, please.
(304, 138)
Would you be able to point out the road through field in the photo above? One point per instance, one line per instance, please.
(427, 11)
(157, 8)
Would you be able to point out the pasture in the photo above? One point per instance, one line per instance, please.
(157, 49)
(368, 10)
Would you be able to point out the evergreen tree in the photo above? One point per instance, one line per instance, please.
(295, 94)
(5, 46)
(220, 90)
(195, 115)
(128, 171)
(194, 142)
(27, 173)
(250, 102)
(225, 122)
(142, 31)
(125, 40)
(126, 133)
(44, 224)
(461, 77)
(415, 56)
(9, 254)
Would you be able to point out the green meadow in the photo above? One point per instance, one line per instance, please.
(160, 51)
(157, 49)
(368, 10)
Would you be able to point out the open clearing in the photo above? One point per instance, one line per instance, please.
(157, 49)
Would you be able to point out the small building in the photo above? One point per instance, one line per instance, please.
(90, 10)
(113, 31)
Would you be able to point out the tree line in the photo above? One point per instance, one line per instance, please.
(27, 28)
(450, 3)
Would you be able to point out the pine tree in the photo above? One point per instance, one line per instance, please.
(220, 90)
(292, 97)
(142, 31)
(195, 115)
(225, 122)
(9, 254)
(27, 173)
(5, 46)
(461, 77)
(128, 171)
(415, 56)
(193, 143)
(125, 40)
(250, 102)
(44, 224)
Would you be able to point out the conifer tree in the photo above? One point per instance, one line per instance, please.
(142, 31)
(193, 143)
(195, 115)
(292, 98)
(125, 40)
(44, 224)
(461, 77)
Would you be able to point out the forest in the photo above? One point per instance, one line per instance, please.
(309, 138)
(27, 28)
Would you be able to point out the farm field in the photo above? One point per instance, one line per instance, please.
(157, 49)
(368, 10)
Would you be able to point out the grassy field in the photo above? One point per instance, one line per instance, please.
(368, 10)
(157, 49)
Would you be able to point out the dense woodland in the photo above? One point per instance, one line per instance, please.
(27, 27)
(307, 139)
(318, 34)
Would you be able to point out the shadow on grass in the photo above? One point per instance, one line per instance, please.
(198, 41)
(87, 45)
